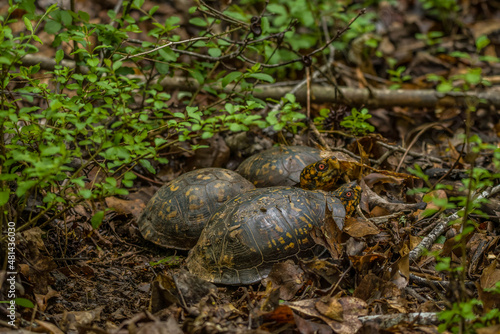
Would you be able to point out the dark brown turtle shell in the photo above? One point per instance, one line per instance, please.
(278, 166)
(177, 213)
(252, 231)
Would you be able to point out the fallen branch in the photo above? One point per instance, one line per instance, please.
(376, 200)
(427, 242)
(426, 98)
(389, 320)
(445, 285)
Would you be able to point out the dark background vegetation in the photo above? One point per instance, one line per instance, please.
(103, 102)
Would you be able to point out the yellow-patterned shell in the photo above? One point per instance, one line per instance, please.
(278, 166)
(254, 230)
(177, 213)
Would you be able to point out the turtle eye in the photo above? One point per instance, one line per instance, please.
(321, 166)
(348, 194)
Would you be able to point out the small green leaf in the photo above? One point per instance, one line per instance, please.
(482, 42)
(262, 77)
(214, 52)
(197, 21)
(59, 55)
(4, 196)
(5, 61)
(93, 62)
(96, 219)
(24, 302)
(27, 23)
(37, 39)
(85, 193)
(230, 78)
(168, 54)
(235, 127)
(52, 27)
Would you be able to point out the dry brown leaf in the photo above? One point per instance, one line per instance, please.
(358, 229)
(271, 299)
(287, 277)
(161, 327)
(398, 304)
(489, 278)
(122, 206)
(324, 269)
(308, 326)
(330, 307)
(282, 314)
(365, 263)
(329, 235)
(42, 300)
(495, 329)
(352, 309)
(51, 328)
(370, 284)
(378, 211)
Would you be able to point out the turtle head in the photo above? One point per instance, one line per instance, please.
(322, 174)
(350, 196)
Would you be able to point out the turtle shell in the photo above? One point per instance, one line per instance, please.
(278, 166)
(177, 213)
(252, 231)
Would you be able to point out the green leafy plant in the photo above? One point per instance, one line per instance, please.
(357, 123)
(397, 77)
(77, 135)
(444, 9)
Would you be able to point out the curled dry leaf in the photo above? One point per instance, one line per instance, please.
(357, 228)
(365, 263)
(329, 235)
(352, 308)
(47, 326)
(354, 246)
(495, 329)
(163, 293)
(330, 307)
(308, 326)
(121, 206)
(161, 327)
(192, 288)
(283, 314)
(72, 320)
(42, 300)
(38, 270)
(325, 269)
(369, 285)
(490, 277)
(182, 288)
(271, 298)
(287, 277)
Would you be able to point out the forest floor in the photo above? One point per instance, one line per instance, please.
(111, 280)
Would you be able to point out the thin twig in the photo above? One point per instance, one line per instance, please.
(427, 242)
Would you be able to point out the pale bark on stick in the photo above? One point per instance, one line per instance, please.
(427, 242)
(389, 320)
(373, 98)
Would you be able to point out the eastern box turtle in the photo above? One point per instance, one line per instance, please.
(252, 231)
(177, 213)
(278, 166)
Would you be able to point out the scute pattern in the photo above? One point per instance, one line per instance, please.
(278, 166)
(177, 213)
(252, 231)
